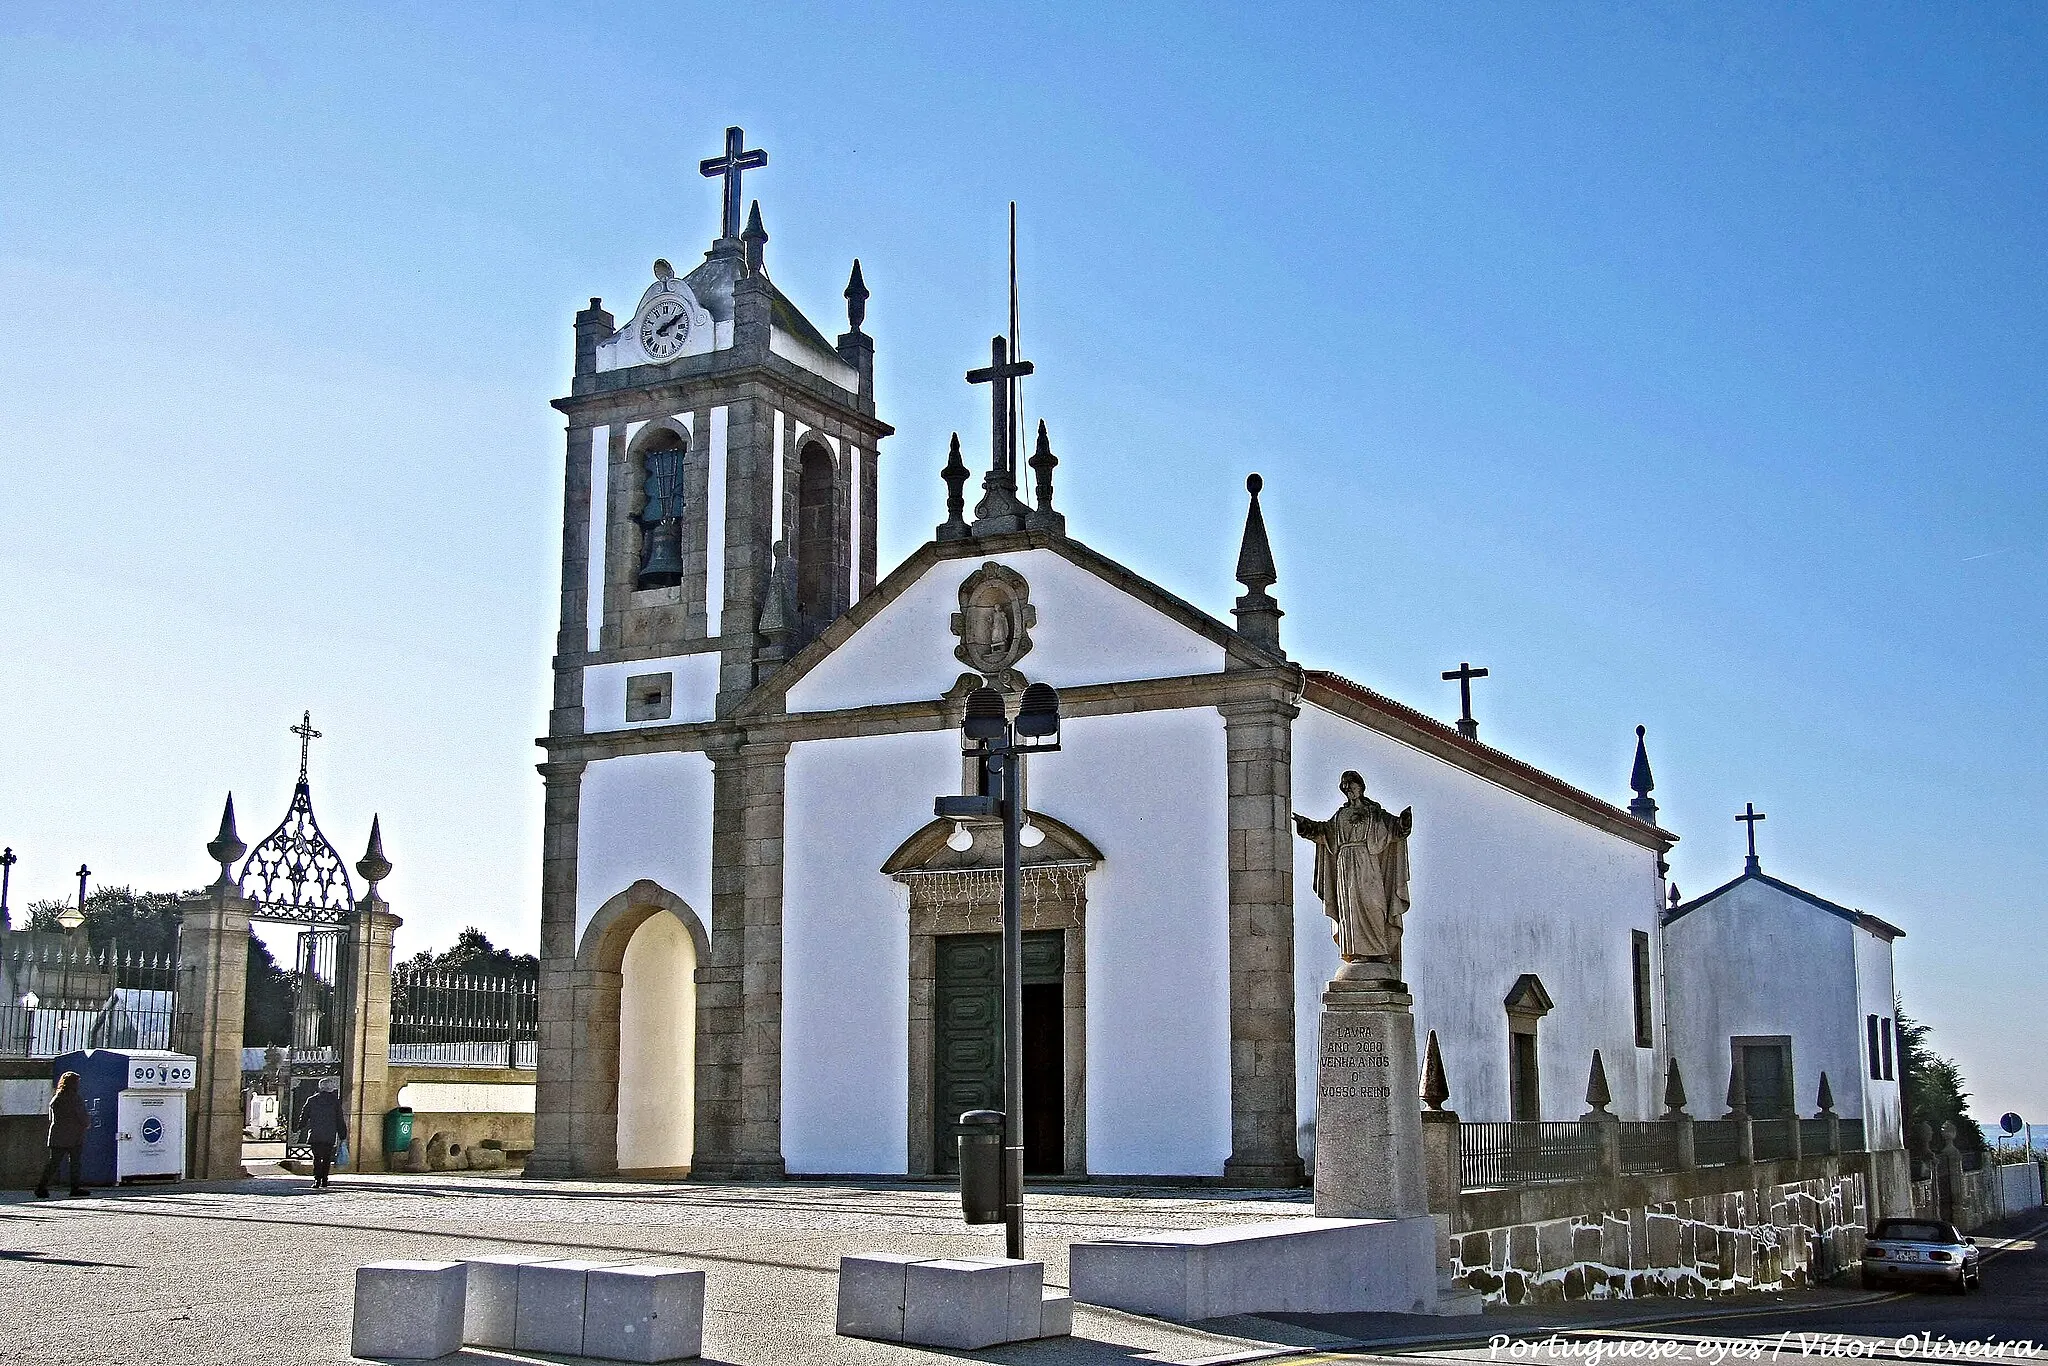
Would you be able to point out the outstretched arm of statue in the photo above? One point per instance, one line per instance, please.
(1307, 828)
(1407, 820)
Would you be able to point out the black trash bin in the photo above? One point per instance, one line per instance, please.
(981, 1166)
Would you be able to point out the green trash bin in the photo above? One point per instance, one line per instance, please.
(397, 1130)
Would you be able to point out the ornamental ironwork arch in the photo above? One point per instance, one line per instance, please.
(294, 874)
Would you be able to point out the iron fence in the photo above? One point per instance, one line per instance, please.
(1852, 1135)
(1526, 1153)
(60, 997)
(1771, 1140)
(1715, 1143)
(444, 1020)
(1813, 1135)
(1648, 1146)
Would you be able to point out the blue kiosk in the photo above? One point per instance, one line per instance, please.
(136, 1097)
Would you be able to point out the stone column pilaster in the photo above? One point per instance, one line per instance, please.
(749, 540)
(555, 1074)
(572, 639)
(364, 1030)
(206, 1023)
(1259, 747)
(739, 991)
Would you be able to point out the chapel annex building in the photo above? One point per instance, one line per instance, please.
(761, 955)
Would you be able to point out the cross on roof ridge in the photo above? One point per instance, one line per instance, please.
(738, 157)
(1749, 817)
(307, 735)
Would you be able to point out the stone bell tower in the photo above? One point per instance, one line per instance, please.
(721, 479)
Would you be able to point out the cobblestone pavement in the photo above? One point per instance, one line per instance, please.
(262, 1270)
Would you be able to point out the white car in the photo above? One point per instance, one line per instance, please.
(1920, 1252)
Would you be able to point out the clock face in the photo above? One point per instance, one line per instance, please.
(664, 327)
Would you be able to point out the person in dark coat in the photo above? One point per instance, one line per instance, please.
(68, 1125)
(321, 1123)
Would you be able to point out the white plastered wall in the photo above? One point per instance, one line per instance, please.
(1884, 1120)
(846, 945)
(657, 1053)
(1501, 886)
(1149, 789)
(644, 816)
(695, 678)
(1088, 631)
(1756, 961)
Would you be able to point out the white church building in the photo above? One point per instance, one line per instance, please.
(762, 955)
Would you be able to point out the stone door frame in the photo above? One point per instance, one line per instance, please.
(596, 985)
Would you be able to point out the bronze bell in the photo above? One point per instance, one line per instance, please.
(662, 565)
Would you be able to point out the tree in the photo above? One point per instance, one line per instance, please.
(473, 955)
(266, 1000)
(119, 917)
(1932, 1086)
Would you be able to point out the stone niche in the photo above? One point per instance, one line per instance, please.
(960, 891)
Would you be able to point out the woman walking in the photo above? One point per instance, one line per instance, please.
(322, 1123)
(68, 1125)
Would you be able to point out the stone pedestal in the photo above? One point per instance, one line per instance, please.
(213, 956)
(962, 1302)
(408, 1310)
(1368, 1112)
(1301, 1266)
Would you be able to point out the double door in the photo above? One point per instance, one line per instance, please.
(967, 1063)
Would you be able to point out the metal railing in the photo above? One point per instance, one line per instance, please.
(1813, 1135)
(1648, 1146)
(1715, 1143)
(1852, 1135)
(1526, 1153)
(58, 998)
(1772, 1140)
(444, 1020)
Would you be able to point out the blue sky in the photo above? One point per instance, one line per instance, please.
(1682, 366)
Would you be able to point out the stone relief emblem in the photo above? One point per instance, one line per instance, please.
(994, 621)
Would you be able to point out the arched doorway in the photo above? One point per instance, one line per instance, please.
(638, 969)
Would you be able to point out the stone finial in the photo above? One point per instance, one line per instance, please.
(1258, 615)
(1642, 808)
(1944, 1136)
(1738, 1105)
(227, 846)
(955, 527)
(1436, 1088)
(856, 298)
(754, 241)
(1826, 1099)
(1042, 461)
(1923, 1136)
(373, 865)
(1598, 1097)
(776, 624)
(1674, 1090)
(1674, 896)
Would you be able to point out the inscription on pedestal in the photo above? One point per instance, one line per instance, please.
(1368, 1107)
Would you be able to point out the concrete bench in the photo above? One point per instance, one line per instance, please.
(548, 1316)
(959, 1302)
(408, 1310)
(1306, 1266)
(490, 1316)
(643, 1313)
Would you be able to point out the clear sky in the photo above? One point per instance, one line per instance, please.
(1682, 365)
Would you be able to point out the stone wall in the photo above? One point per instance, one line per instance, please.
(1778, 1235)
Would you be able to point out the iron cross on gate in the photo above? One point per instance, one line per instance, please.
(730, 165)
(998, 374)
(1749, 817)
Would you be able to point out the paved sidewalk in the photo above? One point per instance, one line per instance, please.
(262, 1270)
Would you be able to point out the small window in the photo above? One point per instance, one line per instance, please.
(649, 697)
(1876, 1059)
(1887, 1035)
(1639, 949)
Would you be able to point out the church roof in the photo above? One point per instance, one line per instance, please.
(1334, 692)
(712, 283)
(1883, 929)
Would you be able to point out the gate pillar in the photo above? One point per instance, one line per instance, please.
(206, 1021)
(363, 1029)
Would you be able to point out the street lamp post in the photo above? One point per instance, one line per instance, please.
(988, 732)
(71, 917)
(7, 862)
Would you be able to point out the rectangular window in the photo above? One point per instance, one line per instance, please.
(1887, 1048)
(1639, 948)
(1876, 1064)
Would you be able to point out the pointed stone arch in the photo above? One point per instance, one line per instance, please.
(633, 992)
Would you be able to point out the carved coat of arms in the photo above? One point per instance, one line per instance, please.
(994, 621)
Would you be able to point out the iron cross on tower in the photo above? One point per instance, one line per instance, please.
(1465, 673)
(307, 735)
(1749, 817)
(730, 165)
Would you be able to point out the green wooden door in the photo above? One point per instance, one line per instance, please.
(967, 1018)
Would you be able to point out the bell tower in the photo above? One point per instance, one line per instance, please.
(720, 483)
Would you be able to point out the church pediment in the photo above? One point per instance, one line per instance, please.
(931, 849)
(1091, 621)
